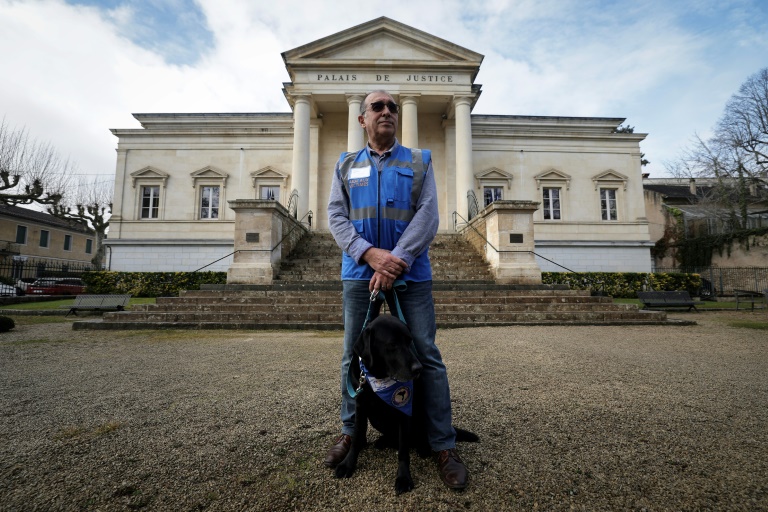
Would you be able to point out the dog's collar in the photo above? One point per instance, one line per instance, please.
(394, 393)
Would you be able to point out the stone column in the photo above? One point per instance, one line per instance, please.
(464, 175)
(300, 172)
(355, 139)
(409, 120)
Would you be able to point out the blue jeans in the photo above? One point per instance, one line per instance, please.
(419, 312)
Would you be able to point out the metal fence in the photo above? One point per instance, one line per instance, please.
(719, 281)
(34, 268)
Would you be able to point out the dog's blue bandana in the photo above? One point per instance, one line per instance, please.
(393, 392)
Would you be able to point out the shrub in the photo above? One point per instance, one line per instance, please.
(6, 323)
(625, 284)
(149, 284)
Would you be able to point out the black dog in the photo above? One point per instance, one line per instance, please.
(385, 348)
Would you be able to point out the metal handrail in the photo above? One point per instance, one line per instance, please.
(309, 213)
(466, 223)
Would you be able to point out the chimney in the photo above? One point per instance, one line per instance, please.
(692, 186)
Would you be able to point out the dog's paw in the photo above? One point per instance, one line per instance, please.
(403, 484)
(344, 470)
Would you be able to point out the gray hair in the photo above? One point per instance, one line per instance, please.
(364, 105)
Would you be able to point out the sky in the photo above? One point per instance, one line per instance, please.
(74, 69)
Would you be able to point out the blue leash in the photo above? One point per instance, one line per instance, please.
(398, 285)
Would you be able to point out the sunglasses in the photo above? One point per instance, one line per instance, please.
(378, 106)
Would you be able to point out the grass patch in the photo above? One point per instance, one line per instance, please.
(699, 305)
(56, 304)
(749, 324)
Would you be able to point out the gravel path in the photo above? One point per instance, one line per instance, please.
(589, 418)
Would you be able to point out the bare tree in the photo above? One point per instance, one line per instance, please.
(91, 204)
(30, 171)
(736, 156)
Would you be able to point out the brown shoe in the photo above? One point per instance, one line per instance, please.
(452, 470)
(338, 451)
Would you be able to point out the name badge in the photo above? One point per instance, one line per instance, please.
(359, 172)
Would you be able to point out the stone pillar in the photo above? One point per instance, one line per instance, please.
(509, 228)
(300, 171)
(409, 120)
(355, 133)
(261, 227)
(464, 175)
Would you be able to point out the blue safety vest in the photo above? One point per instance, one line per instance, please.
(382, 204)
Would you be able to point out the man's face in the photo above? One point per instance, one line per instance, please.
(380, 126)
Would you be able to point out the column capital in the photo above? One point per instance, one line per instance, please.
(410, 99)
(301, 98)
(354, 97)
(463, 100)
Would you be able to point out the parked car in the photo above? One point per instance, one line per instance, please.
(57, 286)
(25, 283)
(7, 290)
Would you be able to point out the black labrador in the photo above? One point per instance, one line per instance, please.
(385, 348)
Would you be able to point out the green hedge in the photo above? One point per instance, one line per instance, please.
(149, 284)
(168, 284)
(624, 284)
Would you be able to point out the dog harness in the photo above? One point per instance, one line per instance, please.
(394, 392)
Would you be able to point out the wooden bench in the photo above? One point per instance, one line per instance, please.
(751, 297)
(667, 300)
(98, 302)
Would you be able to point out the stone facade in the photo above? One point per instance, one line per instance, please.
(586, 176)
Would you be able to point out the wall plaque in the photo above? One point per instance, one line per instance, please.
(252, 238)
(515, 238)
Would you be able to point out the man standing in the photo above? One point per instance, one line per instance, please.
(383, 214)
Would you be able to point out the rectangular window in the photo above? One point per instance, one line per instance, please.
(209, 203)
(608, 204)
(150, 202)
(67, 242)
(551, 206)
(270, 192)
(21, 235)
(88, 246)
(45, 238)
(491, 194)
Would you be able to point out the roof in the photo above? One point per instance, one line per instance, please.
(47, 219)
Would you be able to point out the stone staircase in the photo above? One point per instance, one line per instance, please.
(307, 295)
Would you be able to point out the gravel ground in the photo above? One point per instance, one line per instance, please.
(586, 418)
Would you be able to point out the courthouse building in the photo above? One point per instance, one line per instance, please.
(176, 173)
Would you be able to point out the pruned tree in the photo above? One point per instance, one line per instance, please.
(30, 171)
(91, 204)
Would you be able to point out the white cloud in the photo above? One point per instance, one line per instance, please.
(70, 76)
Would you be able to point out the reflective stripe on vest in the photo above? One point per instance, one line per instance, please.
(382, 220)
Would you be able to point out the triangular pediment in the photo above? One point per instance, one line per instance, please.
(209, 172)
(551, 176)
(610, 176)
(268, 172)
(381, 40)
(149, 173)
(494, 174)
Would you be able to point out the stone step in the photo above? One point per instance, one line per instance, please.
(463, 318)
(307, 294)
(292, 307)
